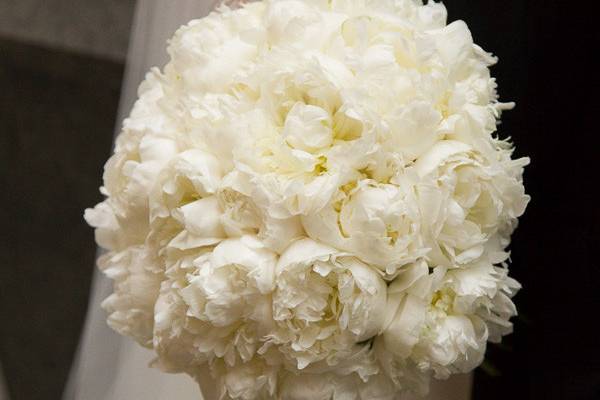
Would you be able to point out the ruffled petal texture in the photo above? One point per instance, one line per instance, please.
(310, 201)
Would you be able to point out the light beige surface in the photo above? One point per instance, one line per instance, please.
(457, 387)
(96, 27)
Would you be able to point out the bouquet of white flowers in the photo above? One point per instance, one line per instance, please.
(309, 202)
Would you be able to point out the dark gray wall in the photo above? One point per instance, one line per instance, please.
(95, 27)
(61, 63)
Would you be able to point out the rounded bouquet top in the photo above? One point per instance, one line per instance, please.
(309, 202)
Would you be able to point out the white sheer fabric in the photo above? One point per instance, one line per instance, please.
(108, 366)
(111, 367)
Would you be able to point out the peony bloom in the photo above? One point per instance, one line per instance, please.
(324, 304)
(309, 202)
(228, 290)
(379, 223)
(330, 386)
(440, 322)
(137, 278)
(241, 215)
(466, 199)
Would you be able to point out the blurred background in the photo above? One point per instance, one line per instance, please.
(61, 67)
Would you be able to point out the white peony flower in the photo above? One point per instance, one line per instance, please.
(324, 304)
(308, 202)
(330, 386)
(252, 380)
(379, 223)
(230, 291)
(137, 277)
(466, 199)
(242, 216)
(441, 321)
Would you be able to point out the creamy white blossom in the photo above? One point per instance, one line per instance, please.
(324, 304)
(466, 199)
(380, 223)
(309, 201)
(440, 321)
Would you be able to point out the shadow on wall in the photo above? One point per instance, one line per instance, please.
(3, 394)
(79, 26)
(55, 139)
